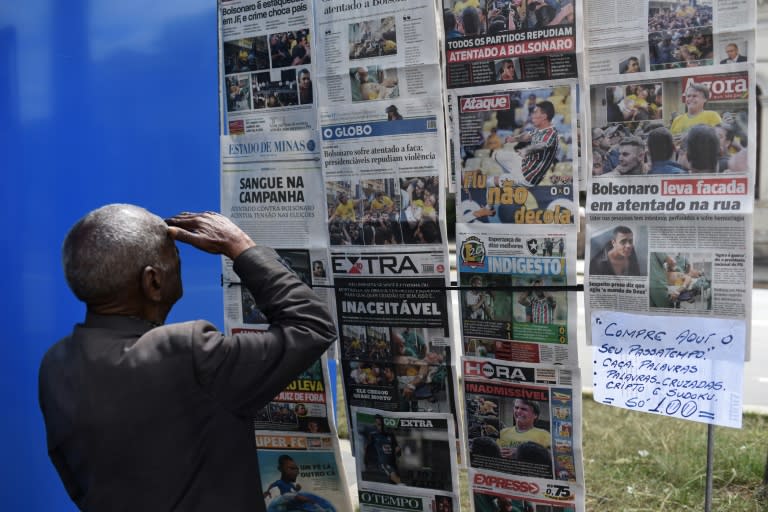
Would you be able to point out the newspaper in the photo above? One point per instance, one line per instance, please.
(503, 315)
(268, 188)
(636, 37)
(377, 52)
(384, 178)
(695, 265)
(506, 41)
(398, 453)
(396, 348)
(266, 65)
(302, 472)
(673, 144)
(524, 419)
(492, 492)
(517, 153)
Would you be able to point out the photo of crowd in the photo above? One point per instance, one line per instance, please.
(489, 17)
(619, 251)
(384, 211)
(250, 54)
(680, 36)
(649, 133)
(290, 48)
(373, 38)
(283, 92)
(633, 103)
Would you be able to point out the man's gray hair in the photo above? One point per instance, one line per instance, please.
(106, 251)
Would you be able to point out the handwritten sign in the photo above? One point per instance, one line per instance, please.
(684, 367)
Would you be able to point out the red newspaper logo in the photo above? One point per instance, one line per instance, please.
(722, 87)
(506, 483)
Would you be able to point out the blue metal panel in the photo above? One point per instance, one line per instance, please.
(100, 101)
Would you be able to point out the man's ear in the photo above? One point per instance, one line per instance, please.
(152, 283)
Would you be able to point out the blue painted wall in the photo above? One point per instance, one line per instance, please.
(100, 101)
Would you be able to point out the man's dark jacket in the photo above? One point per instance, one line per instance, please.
(158, 419)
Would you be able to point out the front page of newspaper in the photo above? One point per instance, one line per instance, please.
(301, 472)
(524, 419)
(266, 63)
(269, 185)
(517, 153)
(394, 320)
(376, 52)
(514, 299)
(637, 37)
(384, 180)
(404, 453)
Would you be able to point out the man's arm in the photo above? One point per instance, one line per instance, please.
(247, 370)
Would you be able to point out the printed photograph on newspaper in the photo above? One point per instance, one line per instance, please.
(514, 301)
(301, 472)
(267, 73)
(501, 41)
(523, 419)
(394, 331)
(394, 449)
(385, 211)
(673, 144)
(516, 148)
(302, 406)
(495, 492)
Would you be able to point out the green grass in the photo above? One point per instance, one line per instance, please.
(638, 462)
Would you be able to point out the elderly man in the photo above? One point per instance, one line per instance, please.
(145, 416)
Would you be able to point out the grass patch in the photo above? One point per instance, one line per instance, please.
(638, 462)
